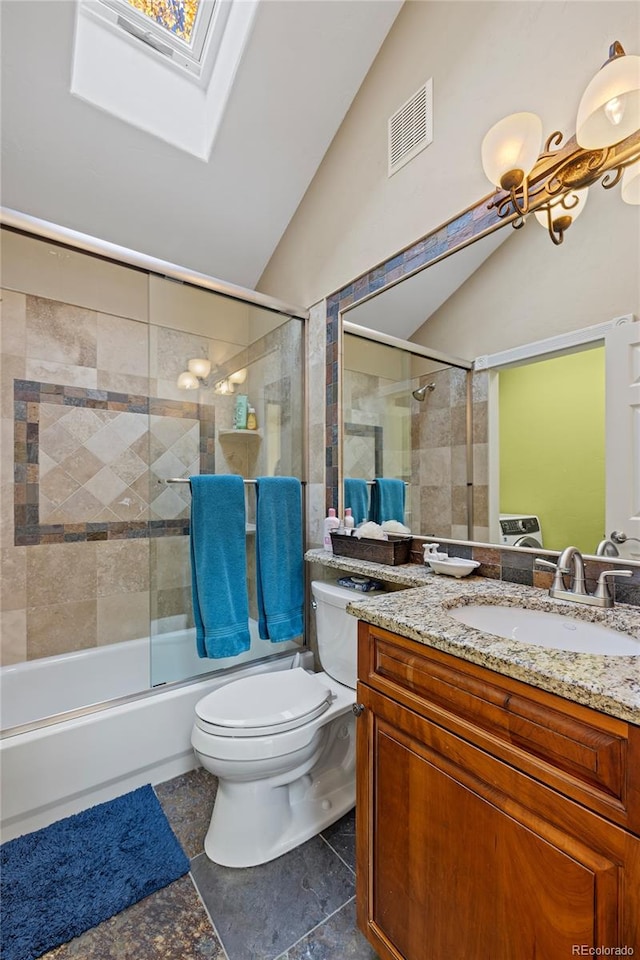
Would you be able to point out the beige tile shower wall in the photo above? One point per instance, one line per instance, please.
(261, 322)
(12, 365)
(82, 323)
(192, 310)
(438, 446)
(316, 347)
(270, 362)
(95, 464)
(273, 365)
(102, 598)
(170, 586)
(46, 270)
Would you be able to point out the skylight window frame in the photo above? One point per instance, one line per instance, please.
(194, 57)
(130, 79)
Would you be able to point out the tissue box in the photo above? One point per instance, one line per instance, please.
(393, 551)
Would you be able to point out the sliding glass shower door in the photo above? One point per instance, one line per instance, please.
(255, 354)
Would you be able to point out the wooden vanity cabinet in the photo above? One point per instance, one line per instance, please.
(495, 821)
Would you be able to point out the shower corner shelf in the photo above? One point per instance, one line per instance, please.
(225, 434)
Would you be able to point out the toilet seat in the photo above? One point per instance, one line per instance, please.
(264, 704)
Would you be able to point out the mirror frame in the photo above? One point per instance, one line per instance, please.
(465, 228)
(472, 224)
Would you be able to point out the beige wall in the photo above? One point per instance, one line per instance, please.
(487, 60)
(529, 289)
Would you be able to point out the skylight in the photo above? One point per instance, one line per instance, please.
(165, 66)
(176, 16)
(181, 30)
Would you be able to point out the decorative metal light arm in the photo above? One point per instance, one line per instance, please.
(560, 171)
(608, 125)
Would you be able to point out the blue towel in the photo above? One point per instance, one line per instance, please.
(219, 565)
(356, 496)
(279, 563)
(387, 500)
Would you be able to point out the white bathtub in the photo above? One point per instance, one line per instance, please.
(42, 688)
(59, 768)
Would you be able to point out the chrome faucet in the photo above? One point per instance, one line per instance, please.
(606, 548)
(571, 564)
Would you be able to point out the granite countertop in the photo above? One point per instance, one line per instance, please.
(406, 574)
(610, 684)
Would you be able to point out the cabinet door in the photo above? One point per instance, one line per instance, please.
(455, 861)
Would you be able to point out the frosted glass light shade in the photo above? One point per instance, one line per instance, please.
(610, 107)
(512, 144)
(187, 381)
(630, 189)
(199, 367)
(574, 203)
(223, 387)
(239, 376)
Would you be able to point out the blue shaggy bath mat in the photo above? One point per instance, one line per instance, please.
(64, 879)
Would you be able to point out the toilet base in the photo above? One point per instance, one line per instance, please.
(255, 822)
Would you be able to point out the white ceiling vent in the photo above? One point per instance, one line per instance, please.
(411, 127)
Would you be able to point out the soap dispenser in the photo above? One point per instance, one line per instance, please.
(431, 552)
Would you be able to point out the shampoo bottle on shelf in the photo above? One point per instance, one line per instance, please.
(331, 523)
(252, 420)
(240, 414)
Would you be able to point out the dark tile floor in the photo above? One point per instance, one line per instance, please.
(298, 907)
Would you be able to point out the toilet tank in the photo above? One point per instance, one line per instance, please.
(337, 631)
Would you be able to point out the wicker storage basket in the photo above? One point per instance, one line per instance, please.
(393, 551)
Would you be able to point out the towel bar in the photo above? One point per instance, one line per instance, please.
(370, 483)
(248, 480)
(186, 480)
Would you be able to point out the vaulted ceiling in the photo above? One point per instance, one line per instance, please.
(68, 162)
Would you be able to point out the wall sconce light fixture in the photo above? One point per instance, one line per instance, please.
(554, 183)
(197, 370)
(558, 214)
(228, 385)
(224, 387)
(630, 189)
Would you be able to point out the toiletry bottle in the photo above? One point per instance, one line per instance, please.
(349, 522)
(240, 416)
(252, 420)
(331, 523)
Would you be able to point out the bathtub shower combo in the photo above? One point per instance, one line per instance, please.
(100, 675)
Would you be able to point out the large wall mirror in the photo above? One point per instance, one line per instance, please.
(540, 444)
(405, 416)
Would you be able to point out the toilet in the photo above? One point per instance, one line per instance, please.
(282, 745)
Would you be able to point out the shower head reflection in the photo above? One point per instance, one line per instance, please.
(421, 392)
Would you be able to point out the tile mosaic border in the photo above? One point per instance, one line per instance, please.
(28, 395)
(515, 565)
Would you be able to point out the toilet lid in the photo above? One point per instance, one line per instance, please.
(282, 699)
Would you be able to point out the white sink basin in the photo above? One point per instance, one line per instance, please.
(544, 629)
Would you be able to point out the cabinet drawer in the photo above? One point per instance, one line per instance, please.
(575, 749)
